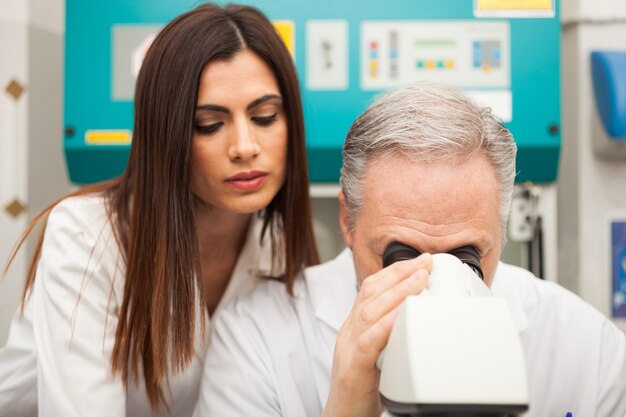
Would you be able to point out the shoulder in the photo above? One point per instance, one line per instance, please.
(80, 219)
(79, 235)
(515, 282)
(80, 211)
(565, 339)
(545, 305)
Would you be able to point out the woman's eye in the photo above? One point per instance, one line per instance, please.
(265, 120)
(208, 129)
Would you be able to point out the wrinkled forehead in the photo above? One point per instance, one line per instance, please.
(433, 198)
(408, 181)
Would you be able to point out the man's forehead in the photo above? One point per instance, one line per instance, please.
(427, 185)
(436, 200)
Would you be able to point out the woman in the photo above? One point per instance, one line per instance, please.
(129, 272)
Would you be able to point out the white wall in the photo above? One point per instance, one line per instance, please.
(47, 174)
(31, 52)
(325, 207)
(13, 148)
(13, 11)
(591, 189)
(48, 15)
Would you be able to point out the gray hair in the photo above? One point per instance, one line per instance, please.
(426, 122)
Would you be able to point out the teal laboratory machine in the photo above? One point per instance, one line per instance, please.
(503, 53)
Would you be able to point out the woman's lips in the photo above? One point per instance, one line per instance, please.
(247, 181)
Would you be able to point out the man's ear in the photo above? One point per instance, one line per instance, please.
(343, 220)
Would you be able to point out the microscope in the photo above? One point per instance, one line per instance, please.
(454, 349)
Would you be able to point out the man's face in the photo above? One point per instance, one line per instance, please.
(433, 207)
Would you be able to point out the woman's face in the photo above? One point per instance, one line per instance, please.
(239, 145)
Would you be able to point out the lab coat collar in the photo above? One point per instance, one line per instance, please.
(502, 286)
(332, 289)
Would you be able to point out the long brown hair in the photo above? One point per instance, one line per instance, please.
(151, 206)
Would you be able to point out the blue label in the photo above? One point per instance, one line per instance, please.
(618, 263)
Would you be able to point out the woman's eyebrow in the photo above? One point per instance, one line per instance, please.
(263, 99)
(222, 109)
(212, 107)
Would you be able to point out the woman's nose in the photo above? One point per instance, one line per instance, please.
(243, 146)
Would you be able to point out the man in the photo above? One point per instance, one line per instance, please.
(426, 167)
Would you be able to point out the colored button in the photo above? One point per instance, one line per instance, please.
(419, 64)
(486, 68)
(373, 65)
(449, 64)
(108, 137)
(430, 64)
(439, 64)
(373, 44)
(373, 53)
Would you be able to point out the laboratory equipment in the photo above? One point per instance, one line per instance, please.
(454, 350)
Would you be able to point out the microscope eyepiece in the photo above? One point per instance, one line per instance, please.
(397, 251)
(469, 256)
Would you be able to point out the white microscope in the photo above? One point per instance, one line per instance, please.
(454, 349)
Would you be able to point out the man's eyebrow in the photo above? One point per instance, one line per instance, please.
(263, 99)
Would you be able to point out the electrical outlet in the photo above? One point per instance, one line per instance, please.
(327, 55)
(520, 226)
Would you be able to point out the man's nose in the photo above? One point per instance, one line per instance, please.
(243, 146)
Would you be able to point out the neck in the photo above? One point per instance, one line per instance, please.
(220, 231)
(221, 236)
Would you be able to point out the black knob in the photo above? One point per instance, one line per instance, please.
(70, 131)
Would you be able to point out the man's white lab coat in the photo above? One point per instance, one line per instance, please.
(271, 354)
(58, 353)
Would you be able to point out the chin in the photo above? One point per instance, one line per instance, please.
(249, 204)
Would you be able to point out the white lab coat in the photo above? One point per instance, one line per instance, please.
(59, 353)
(271, 355)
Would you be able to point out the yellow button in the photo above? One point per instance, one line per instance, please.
(486, 68)
(108, 137)
(286, 30)
(430, 64)
(449, 63)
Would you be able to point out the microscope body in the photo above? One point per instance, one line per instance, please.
(454, 350)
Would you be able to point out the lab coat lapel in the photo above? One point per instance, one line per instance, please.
(500, 288)
(331, 290)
